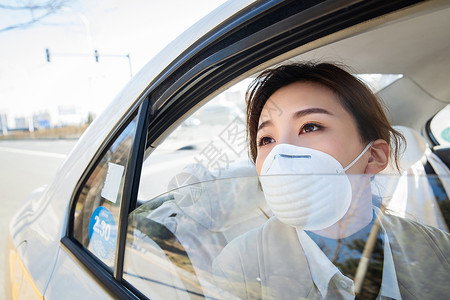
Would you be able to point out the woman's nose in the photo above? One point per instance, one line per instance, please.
(289, 139)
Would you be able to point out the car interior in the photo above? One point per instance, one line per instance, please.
(415, 48)
(404, 59)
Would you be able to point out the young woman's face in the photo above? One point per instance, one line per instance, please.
(310, 115)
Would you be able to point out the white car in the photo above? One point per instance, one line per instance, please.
(161, 181)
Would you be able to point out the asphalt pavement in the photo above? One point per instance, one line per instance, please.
(24, 166)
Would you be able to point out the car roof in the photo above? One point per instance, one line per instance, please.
(413, 42)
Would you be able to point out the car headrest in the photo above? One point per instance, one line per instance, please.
(415, 150)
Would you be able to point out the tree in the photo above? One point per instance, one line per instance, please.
(33, 11)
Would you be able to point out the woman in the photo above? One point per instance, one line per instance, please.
(306, 119)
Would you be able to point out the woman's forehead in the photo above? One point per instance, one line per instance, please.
(297, 97)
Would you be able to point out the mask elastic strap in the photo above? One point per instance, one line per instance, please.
(359, 156)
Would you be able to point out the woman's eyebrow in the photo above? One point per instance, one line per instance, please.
(298, 114)
(264, 124)
(308, 111)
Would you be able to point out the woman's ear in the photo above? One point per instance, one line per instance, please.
(379, 157)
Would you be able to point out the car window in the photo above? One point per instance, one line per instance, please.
(204, 227)
(210, 141)
(98, 202)
(200, 201)
(377, 82)
(440, 127)
(214, 238)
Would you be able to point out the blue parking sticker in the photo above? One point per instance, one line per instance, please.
(103, 233)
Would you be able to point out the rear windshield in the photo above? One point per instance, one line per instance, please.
(440, 126)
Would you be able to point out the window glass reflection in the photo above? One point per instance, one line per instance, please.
(221, 237)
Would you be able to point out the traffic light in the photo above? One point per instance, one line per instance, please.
(96, 55)
(47, 52)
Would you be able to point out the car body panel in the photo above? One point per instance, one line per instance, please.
(20, 284)
(66, 268)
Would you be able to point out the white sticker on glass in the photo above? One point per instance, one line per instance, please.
(112, 182)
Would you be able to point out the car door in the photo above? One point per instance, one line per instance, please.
(102, 244)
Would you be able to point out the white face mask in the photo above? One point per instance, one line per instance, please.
(306, 202)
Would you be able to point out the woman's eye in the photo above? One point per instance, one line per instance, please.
(309, 128)
(265, 140)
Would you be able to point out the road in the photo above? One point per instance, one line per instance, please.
(24, 166)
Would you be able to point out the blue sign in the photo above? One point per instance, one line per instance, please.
(103, 233)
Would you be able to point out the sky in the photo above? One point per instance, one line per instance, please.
(138, 28)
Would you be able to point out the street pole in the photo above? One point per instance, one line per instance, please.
(4, 125)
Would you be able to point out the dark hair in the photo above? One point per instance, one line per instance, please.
(353, 95)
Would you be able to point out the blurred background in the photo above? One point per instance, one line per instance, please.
(64, 60)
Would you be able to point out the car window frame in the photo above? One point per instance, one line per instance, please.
(244, 43)
(430, 134)
(197, 74)
(87, 260)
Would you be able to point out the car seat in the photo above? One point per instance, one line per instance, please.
(420, 189)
